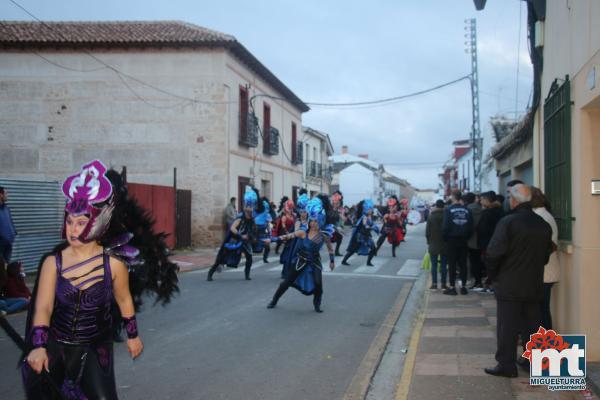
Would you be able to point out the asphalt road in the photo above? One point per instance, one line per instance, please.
(217, 340)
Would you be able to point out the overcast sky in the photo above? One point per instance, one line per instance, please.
(346, 51)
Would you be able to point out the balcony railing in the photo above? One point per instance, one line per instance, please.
(272, 148)
(315, 169)
(248, 130)
(299, 154)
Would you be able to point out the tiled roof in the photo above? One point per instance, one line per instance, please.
(133, 34)
(109, 33)
(521, 132)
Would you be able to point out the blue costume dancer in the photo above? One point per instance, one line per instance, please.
(290, 248)
(239, 239)
(361, 241)
(305, 273)
(262, 219)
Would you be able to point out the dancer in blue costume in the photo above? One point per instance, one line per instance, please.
(239, 239)
(361, 241)
(291, 246)
(263, 219)
(305, 274)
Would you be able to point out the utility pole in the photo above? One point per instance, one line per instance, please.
(476, 141)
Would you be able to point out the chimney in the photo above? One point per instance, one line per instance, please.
(364, 155)
(344, 149)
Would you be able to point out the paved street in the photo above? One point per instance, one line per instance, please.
(217, 340)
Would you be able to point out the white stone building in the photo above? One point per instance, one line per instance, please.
(356, 177)
(317, 149)
(152, 96)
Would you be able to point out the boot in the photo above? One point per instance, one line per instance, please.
(393, 251)
(211, 272)
(337, 249)
(266, 255)
(317, 304)
(276, 297)
(370, 257)
(247, 276)
(345, 259)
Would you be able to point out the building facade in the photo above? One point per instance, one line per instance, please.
(358, 178)
(566, 147)
(151, 96)
(316, 171)
(557, 145)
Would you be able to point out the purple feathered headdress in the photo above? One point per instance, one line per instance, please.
(90, 193)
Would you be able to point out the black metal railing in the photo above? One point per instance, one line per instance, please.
(248, 130)
(272, 147)
(299, 156)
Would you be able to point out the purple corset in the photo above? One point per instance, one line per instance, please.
(82, 315)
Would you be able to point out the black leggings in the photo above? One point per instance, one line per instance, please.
(291, 276)
(78, 370)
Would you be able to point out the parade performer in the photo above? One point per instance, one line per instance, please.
(302, 215)
(285, 221)
(393, 226)
(361, 241)
(338, 218)
(111, 255)
(239, 238)
(263, 220)
(306, 272)
(404, 216)
(291, 246)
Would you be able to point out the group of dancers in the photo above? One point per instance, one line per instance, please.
(93, 283)
(303, 228)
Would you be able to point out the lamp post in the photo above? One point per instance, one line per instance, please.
(476, 142)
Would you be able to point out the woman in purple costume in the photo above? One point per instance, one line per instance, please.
(70, 327)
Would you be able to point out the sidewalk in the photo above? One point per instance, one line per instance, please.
(189, 260)
(455, 340)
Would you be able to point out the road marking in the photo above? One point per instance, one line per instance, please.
(365, 269)
(410, 268)
(182, 263)
(353, 275)
(277, 268)
(240, 268)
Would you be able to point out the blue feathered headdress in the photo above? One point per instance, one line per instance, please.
(302, 202)
(250, 197)
(368, 205)
(315, 211)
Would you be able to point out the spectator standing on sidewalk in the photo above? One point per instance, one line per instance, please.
(506, 201)
(7, 227)
(551, 270)
(457, 227)
(472, 203)
(490, 215)
(515, 259)
(230, 213)
(436, 244)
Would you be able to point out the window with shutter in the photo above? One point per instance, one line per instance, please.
(557, 155)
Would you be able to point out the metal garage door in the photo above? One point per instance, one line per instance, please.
(37, 211)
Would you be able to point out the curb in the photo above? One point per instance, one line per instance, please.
(361, 381)
(403, 387)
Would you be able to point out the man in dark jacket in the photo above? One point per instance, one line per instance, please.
(515, 259)
(436, 245)
(490, 215)
(457, 227)
(475, 261)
